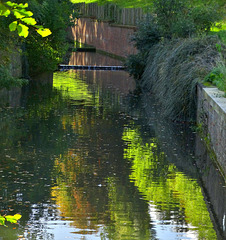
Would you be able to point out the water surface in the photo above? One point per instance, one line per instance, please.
(82, 159)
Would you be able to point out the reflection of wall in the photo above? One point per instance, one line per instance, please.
(212, 183)
(45, 78)
(118, 80)
(16, 63)
(11, 98)
(15, 60)
(104, 36)
(211, 114)
(92, 58)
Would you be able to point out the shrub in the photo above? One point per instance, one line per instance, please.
(135, 65)
(45, 54)
(217, 76)
(179, 18)
(7, 80)
(147, 34)
(169, 12)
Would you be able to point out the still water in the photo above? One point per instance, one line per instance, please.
(84, 159)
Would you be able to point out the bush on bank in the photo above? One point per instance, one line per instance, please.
(45, 53)
(8, 44)
(175, 53)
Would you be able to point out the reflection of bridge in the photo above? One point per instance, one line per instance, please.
(85, 67)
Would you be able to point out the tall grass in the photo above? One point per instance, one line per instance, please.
(173, 70)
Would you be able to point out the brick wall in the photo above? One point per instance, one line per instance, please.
(107, 37)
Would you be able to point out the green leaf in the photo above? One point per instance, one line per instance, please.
(4, 11)
(17, 14)
(44, 32)
(29, 21)
(22, 30)
(17, 216)
(11, 219)
(12, 26)
(25, 13)
(10, 4)
(2, 220)
(21, 13)
(21, 5)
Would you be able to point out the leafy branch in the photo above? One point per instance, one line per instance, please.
(23, 19)
(9, 218)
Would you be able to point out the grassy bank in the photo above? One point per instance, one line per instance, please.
(174, 68)
(179, 46)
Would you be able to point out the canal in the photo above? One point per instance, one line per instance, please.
(84, 158)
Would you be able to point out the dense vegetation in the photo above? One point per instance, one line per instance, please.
(175, 52)
(41, 54)
(148, 4)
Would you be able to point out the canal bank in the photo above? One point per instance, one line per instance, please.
(211, 121)
(210, 114)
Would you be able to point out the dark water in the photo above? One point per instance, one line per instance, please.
(84, 159)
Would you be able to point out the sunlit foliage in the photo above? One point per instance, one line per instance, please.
(45, 54)
(9, 218)
(23, 17)
(124, 210)
(145, 3)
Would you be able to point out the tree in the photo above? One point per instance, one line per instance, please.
(23, 17)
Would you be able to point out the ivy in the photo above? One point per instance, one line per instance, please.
(24, 19)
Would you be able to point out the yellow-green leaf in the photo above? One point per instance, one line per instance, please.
(2, 220)
(22, 30)
(44, 32)
(23, 5)
(25, 13)
(11, 219)
(17, 216)
(29, 21)
(17, 14)
(11, 4)
(12, 26)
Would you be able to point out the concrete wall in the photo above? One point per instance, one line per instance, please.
(114, 39)
(211, 116)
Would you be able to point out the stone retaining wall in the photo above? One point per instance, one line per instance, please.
(211, 117)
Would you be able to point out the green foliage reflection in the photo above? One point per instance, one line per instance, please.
(162, 184)
(128, 213)
(71, 85)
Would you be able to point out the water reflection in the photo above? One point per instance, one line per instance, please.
(77, 163)
(92, 58)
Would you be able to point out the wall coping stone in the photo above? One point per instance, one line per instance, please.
(218, 99)
(216, 103)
